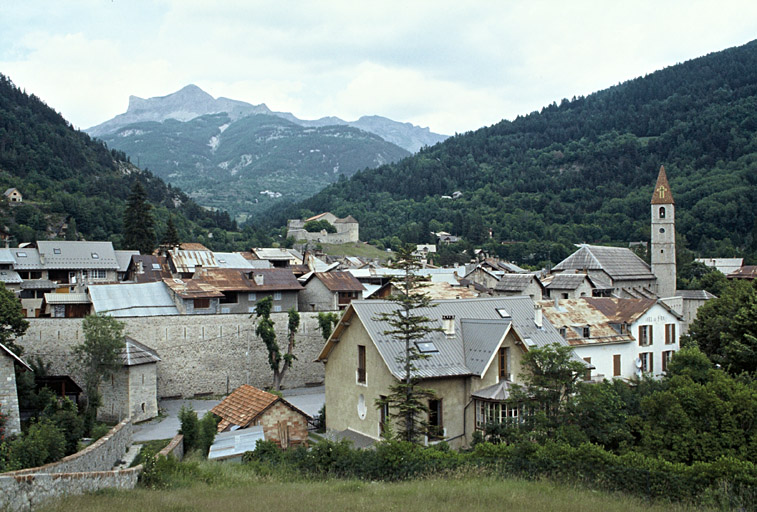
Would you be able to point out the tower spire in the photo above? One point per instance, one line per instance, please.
(662, 193)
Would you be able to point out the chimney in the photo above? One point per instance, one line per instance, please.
(448, 325)
(538, 316)
(258, 279)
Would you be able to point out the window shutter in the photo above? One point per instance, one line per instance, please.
(616, 365)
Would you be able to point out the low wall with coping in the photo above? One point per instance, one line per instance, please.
(200, 354)
(175, 448)
(84, 471)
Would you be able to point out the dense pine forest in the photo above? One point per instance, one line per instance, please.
(581, 171)
(76, 187)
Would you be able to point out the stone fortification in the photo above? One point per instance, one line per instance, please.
(208, 354)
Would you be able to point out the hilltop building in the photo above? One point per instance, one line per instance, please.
(347, 229)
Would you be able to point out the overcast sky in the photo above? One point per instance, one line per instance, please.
(453, 66)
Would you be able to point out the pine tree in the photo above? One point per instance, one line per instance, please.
(407, 401)
(139, 226)
(171, 235)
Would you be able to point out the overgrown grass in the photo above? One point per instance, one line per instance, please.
(358, 249)
(229, 488)
(153, 446)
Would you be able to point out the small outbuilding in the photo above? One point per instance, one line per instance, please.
(13, 195)
(248, 406)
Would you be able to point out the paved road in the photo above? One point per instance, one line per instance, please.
(309, 400)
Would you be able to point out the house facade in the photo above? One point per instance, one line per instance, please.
(478, 351)
(620, 338)
(329, 291)
(520, 284)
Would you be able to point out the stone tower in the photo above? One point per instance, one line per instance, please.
(664, 237)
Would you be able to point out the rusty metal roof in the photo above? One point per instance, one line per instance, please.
(575, 314)
(187, 261)
(244, 405)
(193, 246)
(225, 279)
(745, 272)
(338, 281)
(265, 279)
(191, 289)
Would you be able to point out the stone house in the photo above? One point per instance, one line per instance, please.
(568, 286)
(13, 195)
(247, 406)
(483, 276)
(620, 338)
(471, 363)
(241, 290)
(8, 392)
(520, 284)
(347, 229)
(193, 297)
(329, 291)
(132, 391)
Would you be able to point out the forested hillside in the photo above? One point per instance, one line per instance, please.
(75, 186)
(582, 171)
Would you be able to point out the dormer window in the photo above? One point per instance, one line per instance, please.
(662, 212)
(95, 256)
(586, 332)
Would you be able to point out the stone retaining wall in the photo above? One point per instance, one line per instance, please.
(174, 448)
(200, 354)
(84, 471)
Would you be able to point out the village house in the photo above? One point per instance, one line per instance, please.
(13, 195)
(242, 290)
(568, 286)
(471, 363)
(131, 391)
(148, 268)
(620, 338)
(8, 392)
(329, 291)
(520, 284)
(248, 407)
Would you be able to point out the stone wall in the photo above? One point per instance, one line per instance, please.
(284, 426)
(207, 354)
(8, 394)
(85, 471)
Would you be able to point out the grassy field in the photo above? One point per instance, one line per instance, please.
(230, 488)
(358, 249)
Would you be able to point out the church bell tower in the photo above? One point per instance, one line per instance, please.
(663, 237)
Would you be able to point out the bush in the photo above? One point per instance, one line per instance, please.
(208, 426)
(314, 226)
(42, 443)
(189, 427)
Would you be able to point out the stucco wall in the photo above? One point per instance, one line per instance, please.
(8, 394)
(200, 354)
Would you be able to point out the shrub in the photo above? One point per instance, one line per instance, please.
(42, 443)
(189, 427)
(207, 432)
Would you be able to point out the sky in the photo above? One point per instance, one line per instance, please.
(452, 66)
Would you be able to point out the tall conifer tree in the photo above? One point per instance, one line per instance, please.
(139, 226)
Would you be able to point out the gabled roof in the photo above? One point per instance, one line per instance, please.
(10, 191)
(187, 261)
(349, 219)
(564, 281)
(124, 259)
(337, 281)
(516, 282)
(745, 272)
(154, 268)
(695, 294)
(233, 260)
(662, 193)
(244, 405)
(132, 299)
(135, 353)
(617, 262)
(450, 358)
(192, 288)
(274, 279)
(59, 254)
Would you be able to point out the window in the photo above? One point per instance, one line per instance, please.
(586, 332)
(21, 254)
(504, 363)
(229, 298)
(383, 416)
(495, 413)
(647, 362)
(203, 303)
(95, 274)
(426, 347)
(156, 266)
(563, 332)
(666, 359)
(361, 364)
(616, 365)
(670, 334)
(276, 295)
(95, 256)
(277, 309)
(564, 295)
(645, 335)
(662, 212)
(252, 297)
(587, 375)
(435, 424)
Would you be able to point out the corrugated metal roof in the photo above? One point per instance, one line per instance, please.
(138, 299)
(192, 288)
(228, 445)
(187, 261)
(450, 359)
(224, 279)
(233, 260)
(575, 314)
(10, 277)
(337, 281)
(481, 340)
(59, 254)
(515, 282)
(498, 392)
(135, 353)
(67, 298)
(617, 262)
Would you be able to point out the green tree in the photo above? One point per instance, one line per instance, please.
(327, 321)
(12, 322)
(71, 230)
(99, 356)
(139, 226)
(726, 328)
(279, 361)
(407, 400)
(314, 226)
(171, 235)
(189, 427)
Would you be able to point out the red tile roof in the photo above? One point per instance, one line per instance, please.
(244, 405)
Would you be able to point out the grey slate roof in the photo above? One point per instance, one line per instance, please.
(135, 353)
(566, 281)
(27, 258)
(38, 284)
(6, 257)
(10, 277)
(450, 360)
(617, 262)
(77, 255)
(695, 294)
(514, 282)
(124, 258)
(139, 299)
(16, 359)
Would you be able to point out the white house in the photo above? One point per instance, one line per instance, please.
(621, 338)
